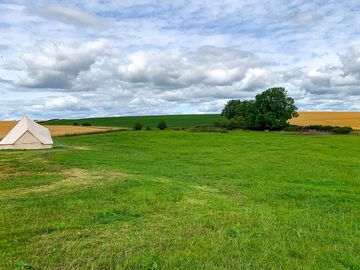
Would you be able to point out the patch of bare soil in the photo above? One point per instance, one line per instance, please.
(72, 179)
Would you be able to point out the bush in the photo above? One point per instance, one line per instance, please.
(222, 124)
(319, 128)
(86, 124)
(292, 128)
(138, 126)
(233, 123)
(342, 130)
(75, 124)
(237, 122)
(148, 128)
(162, 125)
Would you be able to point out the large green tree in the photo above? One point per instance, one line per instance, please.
(273, 108)
(269, 110)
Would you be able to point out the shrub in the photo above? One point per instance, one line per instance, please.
(292, 128)
(233, 123)
(222, 124)
(319, 128)
(327, 129)
(342, 130)
(148, 128)
(138, 126)
(162, 125)
(237, 122)
(86, 124)
(75, 124)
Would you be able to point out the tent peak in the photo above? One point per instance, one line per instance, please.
(39, 133)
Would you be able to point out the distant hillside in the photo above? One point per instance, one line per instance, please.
(172, 121)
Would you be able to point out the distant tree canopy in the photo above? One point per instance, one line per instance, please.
(138, 126)
(269, 110)
(162, 125)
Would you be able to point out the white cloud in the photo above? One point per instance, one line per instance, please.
(341, 80)
(162, 57)
(351, 61)
(67, 15)
(56, 65)
(96, 78)
(206, 66)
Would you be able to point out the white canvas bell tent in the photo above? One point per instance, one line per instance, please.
(27, 135)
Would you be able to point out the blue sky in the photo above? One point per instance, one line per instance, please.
(102, 58)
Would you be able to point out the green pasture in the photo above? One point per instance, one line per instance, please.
(182, 200)
(172, 121)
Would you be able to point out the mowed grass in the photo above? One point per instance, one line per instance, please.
(172, 121)
(182, 200)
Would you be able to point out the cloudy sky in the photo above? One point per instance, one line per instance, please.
(101, 57)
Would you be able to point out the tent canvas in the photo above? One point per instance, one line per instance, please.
(27, 135)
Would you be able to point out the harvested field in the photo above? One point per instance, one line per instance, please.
(57, 130)
(350, 119)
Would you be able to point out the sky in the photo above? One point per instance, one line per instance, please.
(72, 59)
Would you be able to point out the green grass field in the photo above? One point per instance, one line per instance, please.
(172, 121)
(182, 200)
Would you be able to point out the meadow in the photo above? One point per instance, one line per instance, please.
(351, 119)
(183, 200)
(172, 121)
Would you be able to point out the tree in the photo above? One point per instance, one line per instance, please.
(162, 125)
(272, 109)
(229, 110)
(244, 108)
(269, 110)
(138, 126)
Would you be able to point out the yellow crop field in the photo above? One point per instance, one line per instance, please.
(350, 119)
(6, 126)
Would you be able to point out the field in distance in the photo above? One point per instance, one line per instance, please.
(351, 119)
(57, 130)
(172, 121)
